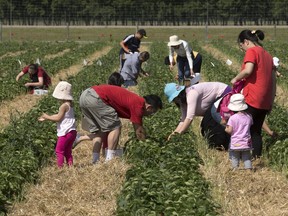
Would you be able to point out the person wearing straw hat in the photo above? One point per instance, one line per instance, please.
(193, 101)
(66, 123)
(39, 77)
(130, 44)
(188, 62)
(238, 126)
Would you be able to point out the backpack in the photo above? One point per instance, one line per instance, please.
(225, 113)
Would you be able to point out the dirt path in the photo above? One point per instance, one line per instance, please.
(261, 192)
(24, 103)
(47, 57)
(84, 189)
(281, 94)
(12, 54)
(52, 56)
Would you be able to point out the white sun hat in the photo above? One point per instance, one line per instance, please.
(237, 103)
(174, 41)
(63, 91)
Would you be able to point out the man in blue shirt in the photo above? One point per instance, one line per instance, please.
(132, 68)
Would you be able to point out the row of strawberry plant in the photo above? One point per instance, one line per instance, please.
(10, 88)
(277, 146)
(280, 50)
(26, 145)
(14, 46)
(231, 50)
(164, 178)
(30, 53)
(277, 119)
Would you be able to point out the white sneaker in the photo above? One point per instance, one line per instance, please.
(76, 141)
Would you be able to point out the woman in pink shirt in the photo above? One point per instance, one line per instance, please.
(194, 100)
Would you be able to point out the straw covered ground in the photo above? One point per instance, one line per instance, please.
(87, 189)
(83, 189)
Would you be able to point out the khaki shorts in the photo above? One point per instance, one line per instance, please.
(97, 116)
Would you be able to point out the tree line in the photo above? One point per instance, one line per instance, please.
(148, 12)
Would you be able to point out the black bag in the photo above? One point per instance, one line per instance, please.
(214, 132)
(166, 60)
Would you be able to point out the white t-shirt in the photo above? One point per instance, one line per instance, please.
(184, 50)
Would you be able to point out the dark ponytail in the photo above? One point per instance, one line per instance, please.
(254, 36)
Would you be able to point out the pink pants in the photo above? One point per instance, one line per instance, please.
(64, 148)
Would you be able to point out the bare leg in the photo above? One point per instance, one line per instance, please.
(97, 141)
(79, 139)
(113, 139)
(267, 129)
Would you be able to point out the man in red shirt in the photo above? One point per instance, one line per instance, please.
(102, 107)
(39, 77)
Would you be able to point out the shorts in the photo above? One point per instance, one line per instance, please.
(98, 116)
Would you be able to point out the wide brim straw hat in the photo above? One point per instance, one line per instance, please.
(174, 41)
(63, 91)
(237, 103)
(172, 90)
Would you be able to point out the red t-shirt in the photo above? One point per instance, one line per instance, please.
(258, 86)
(39, 73)
(127, 104)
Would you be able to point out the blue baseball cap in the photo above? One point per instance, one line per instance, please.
(172, 90)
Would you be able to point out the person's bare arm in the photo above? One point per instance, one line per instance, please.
(122, 44)
(140, 132)
(56, 117)
(183, 126)
(228, 129)
(36, 84)
(246, 72)
(19, 76)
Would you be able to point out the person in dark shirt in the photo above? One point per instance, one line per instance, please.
(39, 77)
(130, 44)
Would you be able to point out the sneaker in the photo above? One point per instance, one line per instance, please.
(76, 141)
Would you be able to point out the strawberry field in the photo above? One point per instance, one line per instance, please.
(165, 176)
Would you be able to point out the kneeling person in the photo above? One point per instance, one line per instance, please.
(39, 77)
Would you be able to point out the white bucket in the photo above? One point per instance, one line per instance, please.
(40, 92)
(229, 62)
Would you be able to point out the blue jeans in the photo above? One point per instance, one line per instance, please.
(128, 83)
(236, 156)
(216, 115)
(183, 68)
